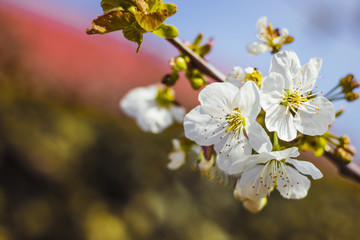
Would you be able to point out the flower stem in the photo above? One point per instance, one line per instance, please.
(335, 99)
(332, 90)
(276, 146)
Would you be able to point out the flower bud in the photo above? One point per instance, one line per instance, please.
(250, 205)
(165, 97)
(205, 49)
(339, 112)
(351, 96)
(348, 83)
(196, 78)
(344, 140)
(178, 64)
(343, 155)
(170, 79)
(255, 206)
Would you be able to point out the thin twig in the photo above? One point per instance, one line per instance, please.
(351, 170)
(198, 61)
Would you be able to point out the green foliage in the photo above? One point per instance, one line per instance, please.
(111, 21)
(135, 18)
(108, 5)
(133, 34)
(166, 31)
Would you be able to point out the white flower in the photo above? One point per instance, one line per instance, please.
(265, 171)
(271, 39)
(152, 107)
(238, 76)
(177, 156)
(288, 100)
(225, 115)
(258, 47)
(180, 150)
(250, 205)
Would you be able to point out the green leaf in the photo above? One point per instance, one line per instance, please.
(154, 5)
(108, 5)
(166, 31)
(111, 21)
(133, 34)
(197, 41)
(142, 6)
(150, 21)
(169, 8)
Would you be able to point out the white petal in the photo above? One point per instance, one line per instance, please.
(277, 120)
(310, 123)
(178, 113)
(257, 47)
(286, 153)
(200, 127)
(248, 101)
(242, 165)
(258, 138)
(295, 186)
(251, 184)
(236, 77)
(231, 149)
(176, 143)
(249, 70)
(177, 159)
(154, 119)
(218, 96)
(137, 99)
(284, 32)
(306, 168)
(306, 78)
(238, 192)
(287, 64)
(271, 91)
(261, 24)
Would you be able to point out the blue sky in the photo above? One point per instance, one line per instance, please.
(328, 29)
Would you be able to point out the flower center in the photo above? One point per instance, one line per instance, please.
(292, 100)
(235, 121)
(272, 172)
(254, 76)
(164, 97)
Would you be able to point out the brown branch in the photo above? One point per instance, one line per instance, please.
(351, 170)
(198, 61)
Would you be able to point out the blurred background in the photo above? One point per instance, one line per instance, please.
(72, 166)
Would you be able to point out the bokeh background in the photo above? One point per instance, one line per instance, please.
(72, 166)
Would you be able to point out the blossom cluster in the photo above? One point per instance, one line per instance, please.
(251, 127)
(226, 119)
(227, 123)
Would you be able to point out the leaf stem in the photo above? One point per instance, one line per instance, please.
(276, 146)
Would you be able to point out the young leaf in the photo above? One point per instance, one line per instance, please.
(150, 21)
(142, 6)
(170, 9)
(111, 21)
(166, 31)
(133, 34)
(154, 5)
(108, 5)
